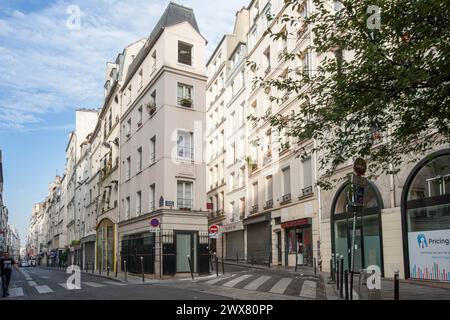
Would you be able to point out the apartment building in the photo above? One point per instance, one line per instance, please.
(13, 243)
(3, 211)
(226, 139)
(162, 168)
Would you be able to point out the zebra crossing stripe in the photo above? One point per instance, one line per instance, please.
(281, 285)
(214, 281)
(255, 284)
(235, 281)
(308, 289)
(43, 289)
(32, 283)
(15, 292)
(94, 284)
(115, 283)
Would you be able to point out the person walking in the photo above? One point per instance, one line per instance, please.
(6, 265)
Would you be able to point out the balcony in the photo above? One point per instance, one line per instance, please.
(286, 199)
(269, 204)
(185, 102)
(254, 208)
(307, 191)
(184, 204)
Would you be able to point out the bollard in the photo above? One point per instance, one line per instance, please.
(190, 266)
(211, 262)
(107, 271)
(331, 270)
(142, 268)
(252, 259)
(117, 267)
(341, 276)
(93, 267)
(351, 285)
(223, 266)
(125, 269)
(270, 259)
(217, 265)
(396, 286)
(237, 258)
(346, 284)
(338, 282)
(315, 266)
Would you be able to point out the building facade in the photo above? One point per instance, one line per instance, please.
(3, 211)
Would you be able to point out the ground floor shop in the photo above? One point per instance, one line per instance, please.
(88, 251)
(233, 239)
(258, 231)
(298, 245)
(106, 244)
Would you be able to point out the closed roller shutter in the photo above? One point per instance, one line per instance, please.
(235, 244)
(89, 255)
(258, 242)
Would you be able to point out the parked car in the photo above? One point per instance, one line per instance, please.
(24, 264)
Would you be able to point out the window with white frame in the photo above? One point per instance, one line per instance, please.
(152, 198)
(128, 128)
(127, 208)
(139, 115)
(153, 149)
(139, 159)
(141, 78)
(154, 60)
(128, 168)
(255, 193)
(185, 95)
(307, 172)
(184, 194)
(138, 203)
(269, 188)
(286, 180)
(185, 53)
(185, 144)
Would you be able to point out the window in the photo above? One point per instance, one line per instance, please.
(140, 116)
(152, 198)
(184, 144)
(129, 93)
(269, 188)
(184, 95)
(267, 58)
(128, 128)
(139, 159)
(307, 173)
(305, 63)
(184, 195)
(242, 208)
(286, 181)
(128, 168)
(255, 193)
(127, 208)
(141, 78)
(184, 53)
(153, 149)
(138, 203)
(110, 120)
(154, 60)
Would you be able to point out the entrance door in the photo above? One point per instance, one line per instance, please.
(279, 247)
(358, 262)
(184, 249)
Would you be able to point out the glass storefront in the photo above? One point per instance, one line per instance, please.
(427, 218)
(367, 248)
(299, 246)
(106, 246)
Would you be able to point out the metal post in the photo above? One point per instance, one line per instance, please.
(252, 259)
(125, 268)
(338, 282)
(346, 285)
(107, 271)
(396, 286)
(270, 258)
(190, 267)
(223, 266)
(237, 258)
(93, 267)
(331, 270)
(142, 268)
(351, 285)
(217, 265)
(296, 256)
(341, 276)
(315, 266)
(117, 267)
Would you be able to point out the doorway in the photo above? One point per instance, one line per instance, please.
(186, 245)
(279, 248)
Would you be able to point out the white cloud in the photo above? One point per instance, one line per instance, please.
(47, 68)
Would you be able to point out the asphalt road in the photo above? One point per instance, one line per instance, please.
(36, 283)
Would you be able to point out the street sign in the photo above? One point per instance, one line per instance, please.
(214, 231)
(359, 166)
(154, 225)
(170, 203)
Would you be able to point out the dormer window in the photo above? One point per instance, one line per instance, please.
(185, 53)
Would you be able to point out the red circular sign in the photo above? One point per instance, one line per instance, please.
(154, 222)
(214, 228)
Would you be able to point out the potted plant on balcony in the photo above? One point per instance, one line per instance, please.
(151, 107)
(186, 102)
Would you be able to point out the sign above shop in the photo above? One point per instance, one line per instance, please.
(296, 223)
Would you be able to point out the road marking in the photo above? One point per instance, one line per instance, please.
(64, 285)
(214, 281)
(32, 283)
(255, 284)
(94, 284)
(308, 289)
(44, 277)
(15, 292)
(281, 285)
(43, 289)
(235, 281)
(115, 283)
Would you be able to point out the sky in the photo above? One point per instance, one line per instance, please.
(52, 63)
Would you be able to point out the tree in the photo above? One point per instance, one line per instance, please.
(381, 89)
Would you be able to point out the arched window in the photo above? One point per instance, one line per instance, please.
(368, 248)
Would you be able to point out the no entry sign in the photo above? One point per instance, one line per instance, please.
(213, 231)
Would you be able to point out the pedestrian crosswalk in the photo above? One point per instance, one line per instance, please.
(34, 288)
(295, 286)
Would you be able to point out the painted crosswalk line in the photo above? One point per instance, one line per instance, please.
(281, 285)
(64, 285)
(94, 284)
(15, 292)
(308, 289)
(43, 289)
(115, 283)
(235, 281)
(32, 283)
(214, 281)
(255, 284)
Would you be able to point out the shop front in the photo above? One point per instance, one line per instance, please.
(106, 244)
(233, 233)
(259, 236)
(298, 246)
(135, 247)
(368, 237)
(88, 246)
(426, 219)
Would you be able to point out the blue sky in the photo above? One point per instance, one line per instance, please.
(48, 70)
